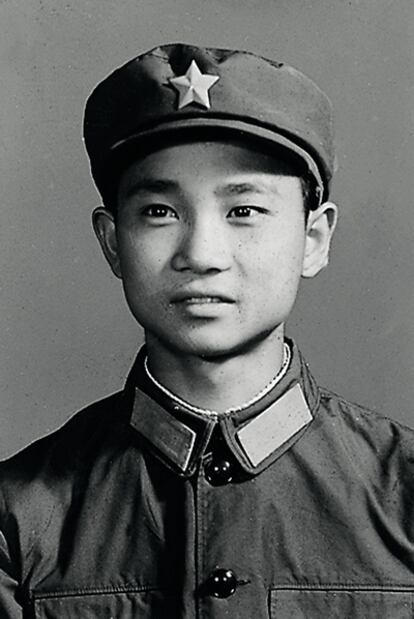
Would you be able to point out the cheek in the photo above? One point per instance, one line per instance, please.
(280, 252)
(142, 259)
(275, 266)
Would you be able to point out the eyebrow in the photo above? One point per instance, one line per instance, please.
(237, 189)
(163, 185)
(151, 185)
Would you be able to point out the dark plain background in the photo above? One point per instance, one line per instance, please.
(66, 335)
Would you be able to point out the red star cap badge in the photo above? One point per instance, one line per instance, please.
(194, 86)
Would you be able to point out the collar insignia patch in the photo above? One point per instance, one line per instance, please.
(275, 426)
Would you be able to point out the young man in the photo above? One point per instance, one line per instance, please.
(222, 481)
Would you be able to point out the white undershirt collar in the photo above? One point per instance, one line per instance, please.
(205, 411)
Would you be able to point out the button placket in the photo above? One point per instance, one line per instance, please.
(218, 469)
(219, 465)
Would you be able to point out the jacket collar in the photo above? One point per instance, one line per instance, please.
(256, 436)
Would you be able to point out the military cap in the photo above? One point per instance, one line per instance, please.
(178, 88)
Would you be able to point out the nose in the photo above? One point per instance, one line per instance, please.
(204, 247)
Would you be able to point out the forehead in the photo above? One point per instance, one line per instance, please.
(205, 160)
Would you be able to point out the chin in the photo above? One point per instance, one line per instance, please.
(218, 346)
(200, 344)
(206, 350)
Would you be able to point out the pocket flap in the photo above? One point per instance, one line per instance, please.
(340, 604)
(104, 605)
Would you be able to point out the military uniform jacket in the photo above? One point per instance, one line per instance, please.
(298, 507)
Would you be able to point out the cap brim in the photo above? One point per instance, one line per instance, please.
(230, 124)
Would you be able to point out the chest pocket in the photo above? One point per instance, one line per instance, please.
(341, 604)
(104, 605)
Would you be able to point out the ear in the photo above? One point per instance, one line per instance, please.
(105, 229)
(319, 230)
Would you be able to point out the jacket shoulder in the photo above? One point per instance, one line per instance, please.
(80, 422)
(360, 415)
(39, 483)
(50, 460)
(374, 441)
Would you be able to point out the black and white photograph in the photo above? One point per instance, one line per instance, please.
(207, 308)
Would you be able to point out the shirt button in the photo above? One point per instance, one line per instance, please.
(219, 472)
(221, 583)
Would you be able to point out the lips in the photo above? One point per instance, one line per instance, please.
(201, 301)
(198, 297)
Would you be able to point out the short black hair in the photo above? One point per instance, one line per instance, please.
(293, 164)
(310, 193)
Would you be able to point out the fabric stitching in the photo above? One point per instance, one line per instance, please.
(200, 567)
(274, 604)
(89, 591)
(368, 588)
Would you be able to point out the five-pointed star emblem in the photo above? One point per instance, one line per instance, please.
(193, 86)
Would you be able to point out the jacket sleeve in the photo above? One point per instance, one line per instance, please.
(9, 607)
(9, 580)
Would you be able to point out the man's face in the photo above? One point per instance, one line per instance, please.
(209, 241)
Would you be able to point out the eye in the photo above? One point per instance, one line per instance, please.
(159, 211)
(244, 212)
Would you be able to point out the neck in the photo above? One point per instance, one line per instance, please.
(217, 383)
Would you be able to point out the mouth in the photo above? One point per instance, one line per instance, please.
(193, 298)
(202, 300)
